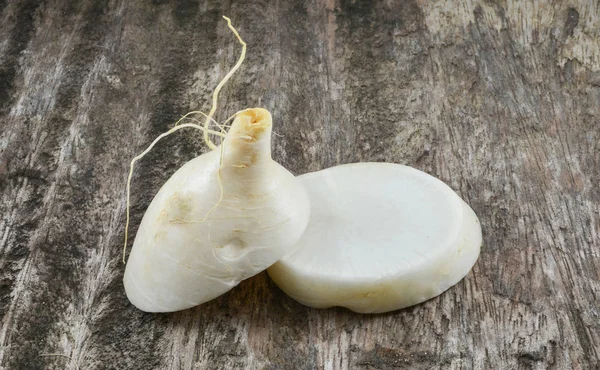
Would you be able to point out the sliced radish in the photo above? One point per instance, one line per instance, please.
(381, 237)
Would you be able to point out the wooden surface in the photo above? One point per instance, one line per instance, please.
(500, 99)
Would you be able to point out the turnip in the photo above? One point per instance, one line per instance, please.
(221, 218)
(381, 237)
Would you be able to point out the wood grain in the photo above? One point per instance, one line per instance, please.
(500, 99)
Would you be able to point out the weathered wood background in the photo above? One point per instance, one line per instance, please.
(500, 99)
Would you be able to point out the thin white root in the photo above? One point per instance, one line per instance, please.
(221, 126)
(178, 125)
(215, 97)
(187, 116)
(140, 156)
(220, 186)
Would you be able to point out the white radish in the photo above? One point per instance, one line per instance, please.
(221, 218)
(381, 237)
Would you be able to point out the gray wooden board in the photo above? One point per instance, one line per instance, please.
(499, 99)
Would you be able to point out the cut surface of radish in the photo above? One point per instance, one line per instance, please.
(380, 237)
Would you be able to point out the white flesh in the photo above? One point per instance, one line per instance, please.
(180, 260)
(381, 237)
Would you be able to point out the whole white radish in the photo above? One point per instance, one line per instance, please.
(221, 218)
(381, 237)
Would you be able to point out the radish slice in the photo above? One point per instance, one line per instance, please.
(381, 237)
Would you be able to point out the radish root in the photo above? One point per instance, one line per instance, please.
(215, 96)
(179, 125)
